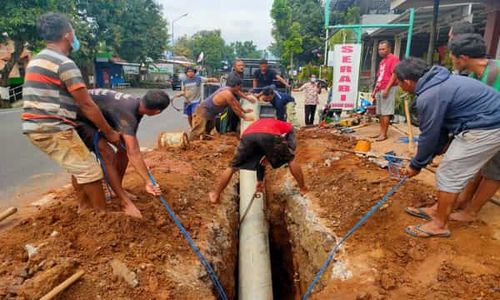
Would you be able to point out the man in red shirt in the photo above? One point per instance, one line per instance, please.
(385, 88)
(266, 141)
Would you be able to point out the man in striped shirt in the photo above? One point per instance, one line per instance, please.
(53, 92)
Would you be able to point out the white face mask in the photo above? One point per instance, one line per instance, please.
(313, 79)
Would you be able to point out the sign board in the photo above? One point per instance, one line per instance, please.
(331, 58)
(131, 70)
(345, 76)
(161, 68)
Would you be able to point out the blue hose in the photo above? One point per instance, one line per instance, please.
(203, 260)
(97, 135)
(318, 275)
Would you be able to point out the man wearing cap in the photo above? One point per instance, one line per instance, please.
(265, 76)
(191, 91)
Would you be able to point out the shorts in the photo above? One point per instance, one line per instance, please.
(201, 124)
(87, 132)
(68, 151)
(189, 108)
(253, 147)
(385, 106)
(469, 152)
(491, 170)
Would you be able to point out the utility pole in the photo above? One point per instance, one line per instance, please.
(173, 22)
(327, 29)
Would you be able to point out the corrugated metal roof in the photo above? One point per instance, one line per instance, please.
(448, 14)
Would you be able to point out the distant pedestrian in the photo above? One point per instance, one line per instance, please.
(311, 101)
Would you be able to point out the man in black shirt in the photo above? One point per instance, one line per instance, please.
(265, 76)
(123, 112)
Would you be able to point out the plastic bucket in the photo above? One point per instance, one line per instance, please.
(363, 146)
(173, 139)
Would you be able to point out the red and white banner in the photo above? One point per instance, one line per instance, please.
(347, 58)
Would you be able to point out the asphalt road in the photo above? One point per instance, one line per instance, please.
(27, 172)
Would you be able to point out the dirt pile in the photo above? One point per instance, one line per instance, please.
(127, 258)
(379, 261)
(151, 250)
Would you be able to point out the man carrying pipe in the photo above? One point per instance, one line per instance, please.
(283, 103)
(265, 76)
(464, 107)
(123, 112)
(266, 141)
(207, 111)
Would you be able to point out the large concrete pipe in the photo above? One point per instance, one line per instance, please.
(255, 281)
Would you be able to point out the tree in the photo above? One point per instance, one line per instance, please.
(246, 49)
(183, 47)
(281, 15)
(211, 43)
(350, 16)
(20, 26)
(293, 44)
(133, 29)
(143, 31)
(309, 15)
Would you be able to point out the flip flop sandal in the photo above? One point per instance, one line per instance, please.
(418, 232)
(420, 214)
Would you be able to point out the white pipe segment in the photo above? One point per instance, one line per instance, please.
(255, 281)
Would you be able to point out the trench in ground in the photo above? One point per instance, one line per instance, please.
(298, 246)
(284, 275)
(282, 267)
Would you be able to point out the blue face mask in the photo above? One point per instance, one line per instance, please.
(75, 44)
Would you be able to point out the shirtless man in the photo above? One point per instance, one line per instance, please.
(207, 111)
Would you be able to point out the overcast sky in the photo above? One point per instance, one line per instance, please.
(238, 20)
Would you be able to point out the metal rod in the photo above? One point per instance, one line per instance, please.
(359, 32)
(326, 47)
(410, 32)
(364, 26)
